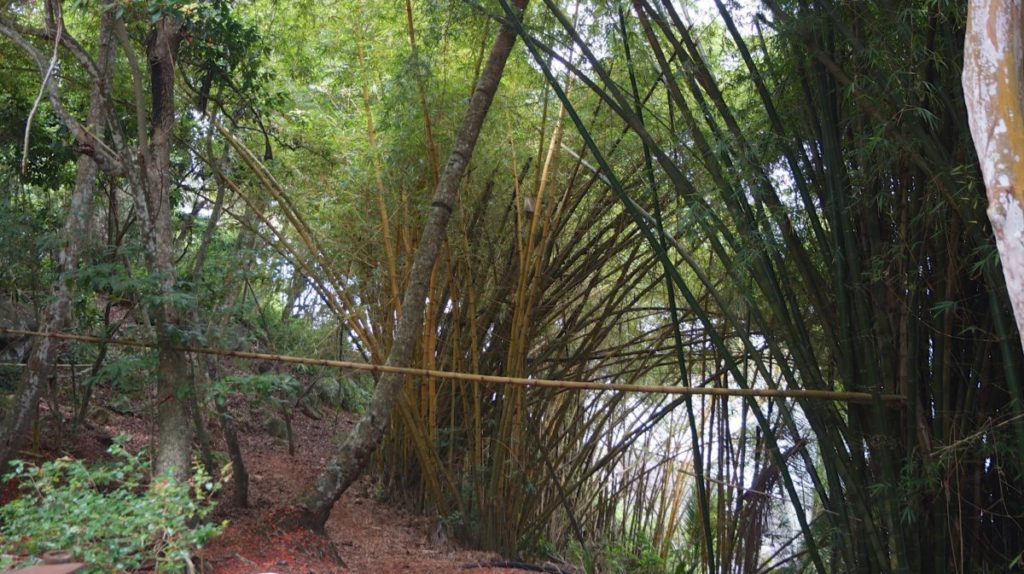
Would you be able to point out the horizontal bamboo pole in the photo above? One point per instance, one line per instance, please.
(56, 366)
(840, 396)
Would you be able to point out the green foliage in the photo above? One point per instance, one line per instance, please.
(621, 556)
(29, 224)
(48, 154)
(105, 515)
(273, 387)
(329, 392)
(9, 376)
(453, 521)
(114, 278)
(128, 374)
(354, 394)
(642, 558)
(276, 394)
(228, 51)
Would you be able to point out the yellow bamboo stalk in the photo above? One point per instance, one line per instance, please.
(430, 465)
(456, 354)
(678, 492)
(530, 276)
(474, 358)
(660, 532)
(422, 91)
(428, 344)
(385, 223)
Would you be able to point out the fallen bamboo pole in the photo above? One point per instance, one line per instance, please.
(56, 366)
(840, 396)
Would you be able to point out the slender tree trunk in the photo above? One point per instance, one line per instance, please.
(174, 430)
(352, 457)
(993, 83)
(296, 287)
(239, 474)
(76, 227)
(207, 368)
(200, 380)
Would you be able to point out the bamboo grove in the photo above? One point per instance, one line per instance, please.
(782, 194)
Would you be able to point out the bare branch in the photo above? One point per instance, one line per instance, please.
(42, 88)
(77, 51)
(89, 143)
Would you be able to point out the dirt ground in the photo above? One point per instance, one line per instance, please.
(365, 535)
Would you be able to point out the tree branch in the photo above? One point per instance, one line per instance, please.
(89, 143)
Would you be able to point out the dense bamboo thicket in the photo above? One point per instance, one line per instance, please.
(776, 194)
(827, 172)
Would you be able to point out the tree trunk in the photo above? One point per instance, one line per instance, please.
(992, 82)
(296, 287)
(209, 370)
(175, 433)
(352, 457)
(239, 474)
(76, 227)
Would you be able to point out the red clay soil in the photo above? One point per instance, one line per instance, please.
(364, 535)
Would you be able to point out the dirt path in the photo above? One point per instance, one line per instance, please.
(365, 535)
(369, 536)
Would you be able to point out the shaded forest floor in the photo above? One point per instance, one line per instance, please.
(365, 534)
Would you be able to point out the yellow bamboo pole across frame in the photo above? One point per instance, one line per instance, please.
(822, 395)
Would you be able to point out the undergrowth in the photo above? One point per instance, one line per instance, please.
(107, 515)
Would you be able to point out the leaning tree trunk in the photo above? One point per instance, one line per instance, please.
(173, 378)
(992, 82)
(352, 457)
(57, 315)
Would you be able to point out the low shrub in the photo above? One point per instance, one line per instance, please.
(106, 514)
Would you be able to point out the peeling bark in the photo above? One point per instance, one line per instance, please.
(354, 454)
(992, 82)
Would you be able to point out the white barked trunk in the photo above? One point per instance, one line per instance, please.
(992, 82)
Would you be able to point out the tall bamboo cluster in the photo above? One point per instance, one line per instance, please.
(828, 174)
(542, 276)
(537, 281)
(801, 215)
